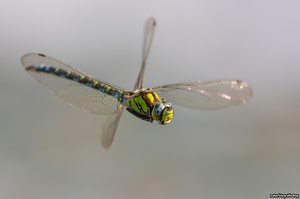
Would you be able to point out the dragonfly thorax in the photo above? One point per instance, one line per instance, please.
(147, 105)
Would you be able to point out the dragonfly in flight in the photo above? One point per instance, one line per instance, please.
(149, 104)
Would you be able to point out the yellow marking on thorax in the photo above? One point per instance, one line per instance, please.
(156, 96)
(150, 97)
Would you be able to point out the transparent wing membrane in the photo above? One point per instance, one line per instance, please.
(209, 95)
(148, 38)
(33, 59)
(110, 127)
(73, 92)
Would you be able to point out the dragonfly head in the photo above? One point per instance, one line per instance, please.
(162, 112)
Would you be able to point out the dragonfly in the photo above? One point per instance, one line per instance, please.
(149, 104)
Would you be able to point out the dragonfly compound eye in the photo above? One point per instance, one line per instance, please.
(162, 112)
(157, 111)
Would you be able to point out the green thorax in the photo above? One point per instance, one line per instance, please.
(142, 104)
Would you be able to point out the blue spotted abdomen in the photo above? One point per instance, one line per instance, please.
(82, 79)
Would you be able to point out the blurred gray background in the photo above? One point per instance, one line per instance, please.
(49, 149)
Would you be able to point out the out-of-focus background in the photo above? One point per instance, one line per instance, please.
(49, 149)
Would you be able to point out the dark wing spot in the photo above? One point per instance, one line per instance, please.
(239, 81)
(42, 55)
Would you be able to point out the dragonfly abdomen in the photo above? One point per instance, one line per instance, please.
(82, 79)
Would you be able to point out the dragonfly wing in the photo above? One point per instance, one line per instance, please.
(110, 128)
(209, 95)
(33, 59)
(71, 91)
(148, 38)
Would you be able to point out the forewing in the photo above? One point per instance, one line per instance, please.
(148, 38)
(33, 59)
(73, 92)
(110, 127)
(209, 95)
